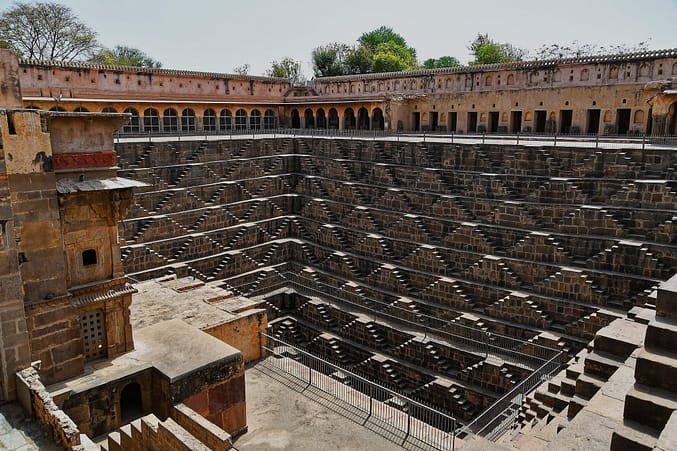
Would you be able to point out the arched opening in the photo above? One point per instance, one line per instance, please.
(133, 125)
(151, 120)
(269, 120)
(377, 121)
(209, 120)
(333, 120)
(225, 120)
(170, 120)
(321, 119)
(109, 109)
(32, 107)
(295, 119)
(57, 108)
(81, 109)
(255, 120)
(348, 119)
(131, 406)
(362, 119)
(188, 120)
(240, 119)
(309, 118)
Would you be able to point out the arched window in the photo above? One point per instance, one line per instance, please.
(109, 109)
(188, 120)
(363, 119)
(57, 108)
(170, 120)
(488, 81)
(32, 107)
(133, 126)
(151, 120)
(209, 120)
(269, 120)
(255, 120)
(321, 119)
(333, 120)
(308, 116)
(225, 120)
(348, 119)
(240, 119)
(295, 119)
(81, 109)
(377, 122)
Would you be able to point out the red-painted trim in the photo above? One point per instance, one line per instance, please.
(83, 160)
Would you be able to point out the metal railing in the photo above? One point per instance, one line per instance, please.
(491, 423)
(417, 423)
(596, 140)
(518, 352)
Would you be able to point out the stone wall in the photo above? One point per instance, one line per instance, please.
(36, 400)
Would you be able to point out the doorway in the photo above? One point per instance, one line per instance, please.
(453, 121)
(417, 121)
(434, 120)
(472, 122)
(541, 118)
(593, 122)
(493, 122)
(515, 121)
(623, 121)
(565, 118)
(131, 406)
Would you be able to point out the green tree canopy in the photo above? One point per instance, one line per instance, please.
(442, 61)
(330, 60)
(287, 68)
(47, 31)
(121, 55)
(487, 51)
(379, 50)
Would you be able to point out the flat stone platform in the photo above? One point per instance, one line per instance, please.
(281, 415)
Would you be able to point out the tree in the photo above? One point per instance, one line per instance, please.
(389, 50)
(121, 55)
(330, 60)
(47, 31)
(487, 51)
(372, 39)
(442, 61)
(359, 61)
(242, 70)
(391, 57)
(287, 68)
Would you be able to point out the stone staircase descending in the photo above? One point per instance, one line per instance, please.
(649, 414)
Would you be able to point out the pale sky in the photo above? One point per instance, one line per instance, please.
(218, 35)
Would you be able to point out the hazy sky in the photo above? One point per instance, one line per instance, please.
(218, 35)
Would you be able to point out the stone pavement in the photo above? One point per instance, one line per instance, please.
(19, 433)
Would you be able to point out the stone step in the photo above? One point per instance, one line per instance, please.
(602, 364)
(587, 385)
(575, 405)
(568, 387)
(649, 406)
(662, 334)
(633, 436)
(657, 369)
(620, 338)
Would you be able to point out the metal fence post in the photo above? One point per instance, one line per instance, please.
(643, 141)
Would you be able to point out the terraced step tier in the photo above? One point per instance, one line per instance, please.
(649, 406)
(657, 368)
(602, 364)
(633, 436)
